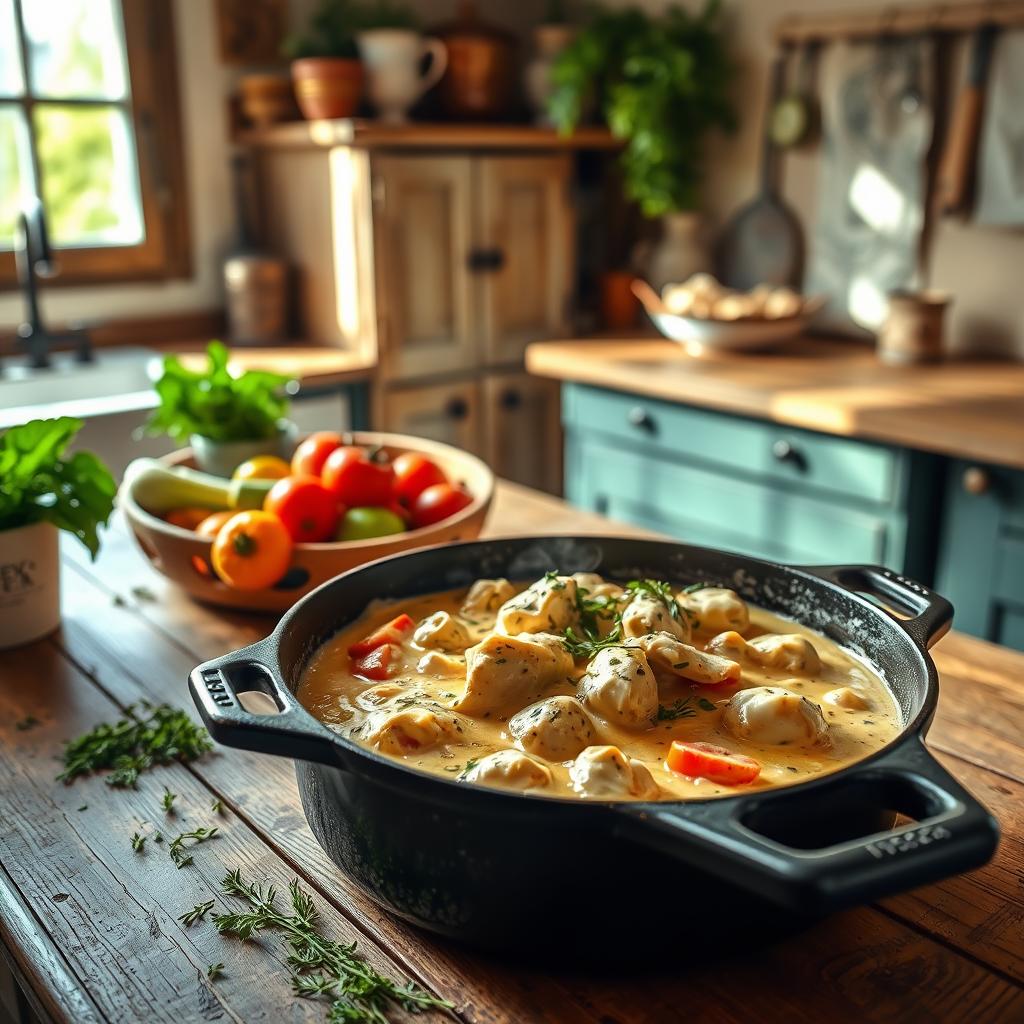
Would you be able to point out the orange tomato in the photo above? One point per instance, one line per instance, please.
(310, 456)
(211, 525)
(186, 518)
(716, 764)
(262, 467)
(251, 551)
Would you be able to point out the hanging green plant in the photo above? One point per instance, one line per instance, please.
(661, 84)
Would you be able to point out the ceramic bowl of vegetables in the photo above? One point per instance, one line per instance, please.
(277, 529)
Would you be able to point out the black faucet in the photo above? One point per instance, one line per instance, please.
(34, 260)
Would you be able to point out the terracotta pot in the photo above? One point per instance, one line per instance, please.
(267, 99)
(481, 70)
(327, 87)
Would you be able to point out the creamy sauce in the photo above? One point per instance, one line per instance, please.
(353, 705)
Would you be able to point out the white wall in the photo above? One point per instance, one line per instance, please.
(980, 266)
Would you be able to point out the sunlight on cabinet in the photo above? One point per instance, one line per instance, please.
(442, 412)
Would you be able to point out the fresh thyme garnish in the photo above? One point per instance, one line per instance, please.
(214, 971)
(143, 594)
(133, 745)
(694, 587)
(470, 765)
(197, 913)
(589, 644)
(168, 800)
(217, 807)
(681, 708)
(138, 842)
(179, 852)
(26, 723)
(705, 705)
(660, 591)
(84, 807)
(320, 966)
(551, 576)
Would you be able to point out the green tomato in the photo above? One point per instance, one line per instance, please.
(364, 523)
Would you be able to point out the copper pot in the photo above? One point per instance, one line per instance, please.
(327, 87)
(267, 99)
(481, 73)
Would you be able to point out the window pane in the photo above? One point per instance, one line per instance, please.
(13, 160)
(10, 56)
(76, 48)
(90, 179)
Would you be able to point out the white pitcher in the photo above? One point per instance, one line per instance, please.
(392, 58)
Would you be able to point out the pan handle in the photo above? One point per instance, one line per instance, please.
(291, 732)
(925, 615)
(727, 838)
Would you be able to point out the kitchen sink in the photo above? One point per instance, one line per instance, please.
(119, 380)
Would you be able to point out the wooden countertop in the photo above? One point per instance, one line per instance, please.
(92, 928)
(974, 409)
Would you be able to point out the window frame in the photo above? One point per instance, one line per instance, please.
(154, 110)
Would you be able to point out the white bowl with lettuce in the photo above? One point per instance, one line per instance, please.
(224, 417)
(44, 489)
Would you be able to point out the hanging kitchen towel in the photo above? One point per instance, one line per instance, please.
(877, 118)
(1001, 165)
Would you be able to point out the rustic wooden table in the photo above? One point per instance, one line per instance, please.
(91, 927)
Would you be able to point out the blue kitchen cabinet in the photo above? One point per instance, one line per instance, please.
(749, 485)
(981, 556)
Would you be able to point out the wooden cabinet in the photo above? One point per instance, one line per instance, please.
(423, 233)
(746, 485)
(443, 412)
(524, 433)
(473, 259)
(981, 557)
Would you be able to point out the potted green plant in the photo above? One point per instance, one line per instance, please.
(226, 418)
(661, 83)
(43, 490)
(326, 71)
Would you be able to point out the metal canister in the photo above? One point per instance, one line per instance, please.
(257, 286)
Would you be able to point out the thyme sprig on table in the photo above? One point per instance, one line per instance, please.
(179, 851)
(320, 966)
(154, 735)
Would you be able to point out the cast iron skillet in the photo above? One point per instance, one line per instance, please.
(503, 869)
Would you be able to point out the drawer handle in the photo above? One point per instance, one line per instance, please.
(484, 261)
(456, 409)
(511, 399)
(784, 452)
(640, 418)
(976, 480)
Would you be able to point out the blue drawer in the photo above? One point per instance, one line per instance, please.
(776, 454)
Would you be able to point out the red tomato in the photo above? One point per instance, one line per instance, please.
(376, 664)
(393, 632)
(439, 502)
(310, 456)
(308, 510)
(414, 473)
(716, 764)
(357, 479)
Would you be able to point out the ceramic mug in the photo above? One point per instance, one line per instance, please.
(29, 584)
(392, 59)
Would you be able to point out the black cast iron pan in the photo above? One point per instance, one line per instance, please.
(501, 869)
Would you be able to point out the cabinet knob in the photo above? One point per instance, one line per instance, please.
(510, 399)
(485, 260)
(976, 480)
(456, 409)
(640, 418)
(783, 451)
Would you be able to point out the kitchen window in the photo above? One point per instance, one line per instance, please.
(89, 121)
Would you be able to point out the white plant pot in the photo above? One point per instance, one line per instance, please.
(680, 252)
(29, 584)
(549, 41)
(221, 458)
(392, 58)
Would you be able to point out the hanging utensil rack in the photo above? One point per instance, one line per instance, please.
(795, 30)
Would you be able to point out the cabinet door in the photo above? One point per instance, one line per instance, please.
(441, 412)
(981, 557)
(524, 432)
(524, 244)
(422, 236)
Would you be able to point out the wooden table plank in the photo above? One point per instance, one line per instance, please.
(111, 911)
